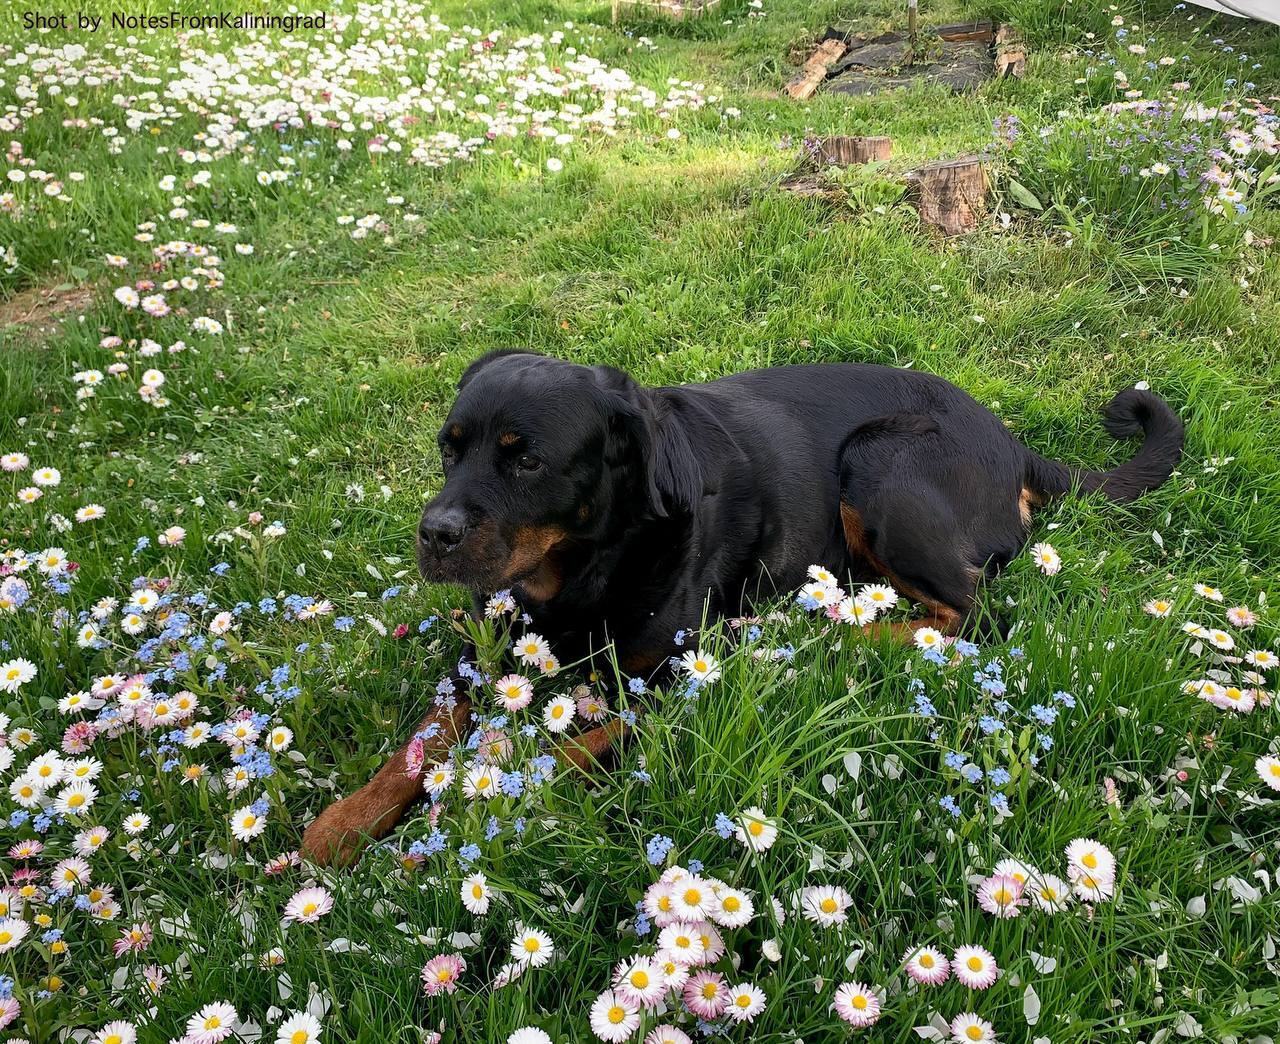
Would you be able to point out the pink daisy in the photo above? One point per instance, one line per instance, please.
(927, 966)
(1001, 895)
(706, 995)
(308, 905)
(1241, 616)
(212, 1023)
(857, 1004)
(441, 973)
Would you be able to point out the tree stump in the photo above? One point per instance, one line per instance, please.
(1011, 52)
(802, 85)
(841, 151)
(950, 196)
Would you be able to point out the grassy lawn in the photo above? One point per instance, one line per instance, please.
(242, 311)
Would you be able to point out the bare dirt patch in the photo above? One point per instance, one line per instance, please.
(38, 313)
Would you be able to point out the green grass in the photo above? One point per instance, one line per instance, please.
(679, 260)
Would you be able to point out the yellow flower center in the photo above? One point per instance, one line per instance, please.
(531, 945)
(710, 989)
(299, 1037)
(859, 1002)
(617, 1013)
(732, 904)
(973, 1032)
(1090, 860)
(477, 892)
(1002, 896)
(755, 829)
(212, 1022)
(828, 905)
(700, 665)
(309, 909)
(744, 1000)
(926, 960)
(692, 896)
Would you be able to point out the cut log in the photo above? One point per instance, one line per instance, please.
(841, 151)
(803, 84)
(1011, 52)
(950, 196)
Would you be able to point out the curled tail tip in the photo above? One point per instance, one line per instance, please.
(1136, 410)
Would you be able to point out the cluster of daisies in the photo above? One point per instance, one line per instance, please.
(1235, 679)
(435, 96)
(1157, 147)
(823, 593)
(678, 978)
(165, 657)
(1014, 885)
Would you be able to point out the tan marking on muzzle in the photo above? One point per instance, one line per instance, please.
(539, 576)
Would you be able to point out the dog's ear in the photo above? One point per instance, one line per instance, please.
(489, 357)
(646, 434)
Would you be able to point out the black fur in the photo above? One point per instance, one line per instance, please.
(655, 502)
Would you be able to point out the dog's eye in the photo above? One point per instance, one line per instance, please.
(528, 463)
(448, 455)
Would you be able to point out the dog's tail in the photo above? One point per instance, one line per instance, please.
(1131, 411)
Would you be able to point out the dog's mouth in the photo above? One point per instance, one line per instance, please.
(487, 561)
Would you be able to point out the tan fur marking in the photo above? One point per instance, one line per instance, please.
(530, 567)
(941, 617)
(508, 438)
(1027, 500)
(455, 431)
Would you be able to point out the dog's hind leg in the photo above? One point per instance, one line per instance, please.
(342, 831)
(914, 553)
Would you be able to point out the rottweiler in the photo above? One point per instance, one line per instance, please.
(619, 515)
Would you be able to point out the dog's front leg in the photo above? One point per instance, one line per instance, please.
(343, 830)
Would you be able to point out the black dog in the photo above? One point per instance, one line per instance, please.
(615, 513)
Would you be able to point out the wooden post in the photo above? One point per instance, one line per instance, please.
(802, 85)
(951, 196)
(841, 151)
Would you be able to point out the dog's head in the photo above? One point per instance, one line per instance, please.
(545, 462)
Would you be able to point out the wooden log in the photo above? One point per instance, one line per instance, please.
(812, 186)
(841, 151)
(1011, 52)
(966, 31)
(950, 196)
(814, 71)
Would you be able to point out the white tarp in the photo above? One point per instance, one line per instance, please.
(1262, 10)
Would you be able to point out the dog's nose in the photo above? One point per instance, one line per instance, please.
(442, 530)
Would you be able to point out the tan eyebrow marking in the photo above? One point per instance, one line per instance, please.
(508, 438)
(455, 432)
